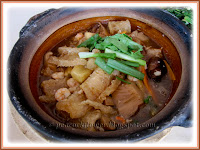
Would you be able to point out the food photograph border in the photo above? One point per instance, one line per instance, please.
(97, 57)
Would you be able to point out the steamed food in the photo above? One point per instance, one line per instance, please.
(106, 75)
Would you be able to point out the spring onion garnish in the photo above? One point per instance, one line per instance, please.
(91, 42)
(133, 64)
(128, 41)
(146, 100)
(125, 69)
(102, 64)
(123, 80)
(90, 54)
(126, 57)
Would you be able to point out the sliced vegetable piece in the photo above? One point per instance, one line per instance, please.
(123, 80)
(91, 42)
(120, 45)
(128, 41)
(90, 54)
(102, 64)
(171, 74)
(133, 64)
(121, 119)
(126, 57)
(125, 69)
(146, 83)
(137, 54)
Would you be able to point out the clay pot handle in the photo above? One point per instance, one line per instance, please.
(34, 19)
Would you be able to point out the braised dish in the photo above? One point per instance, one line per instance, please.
(106, 75)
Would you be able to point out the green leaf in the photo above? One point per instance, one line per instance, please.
(125, 69)
(91, 42)
(123, 80)
(102, 64)
(188, 19)
(126, 57)
(146, 100)
(90, 54)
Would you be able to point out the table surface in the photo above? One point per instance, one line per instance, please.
(16, 19)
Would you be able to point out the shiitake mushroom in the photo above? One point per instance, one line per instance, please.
(156, 69)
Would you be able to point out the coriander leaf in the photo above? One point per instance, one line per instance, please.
(146, 100)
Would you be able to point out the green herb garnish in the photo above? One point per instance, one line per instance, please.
(125, 69)
(123, 80)
(184, 14)
(146, 100)
(102, 64)
(126, 57)
(90, 54)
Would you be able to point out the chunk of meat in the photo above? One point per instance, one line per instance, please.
(79, 36)
(47, 99)
(90, 119)
(102, 31)
(73, 105)
(153, 52)
(108, 101)
(127, 98)
(108, 124)
(109, 90)
(50, 86)
(88, 35)
(58, 75)
(139, 37)
(48, 68)
(96, 84)
(119, 27)
(73, 85)
(91, 64)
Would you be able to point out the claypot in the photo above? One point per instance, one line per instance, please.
(46, 30)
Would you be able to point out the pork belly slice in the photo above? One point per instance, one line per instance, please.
(127, 98)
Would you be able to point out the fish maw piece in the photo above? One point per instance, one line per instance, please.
(109, 90)
(50, 86)
(94, 85)
(127, 98)
(73, 105)
(70, 63)
(70, 50)
(90, 119)
(119, 27)
(104, 109)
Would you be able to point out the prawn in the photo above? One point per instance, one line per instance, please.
(62, 94)
(58, 75)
